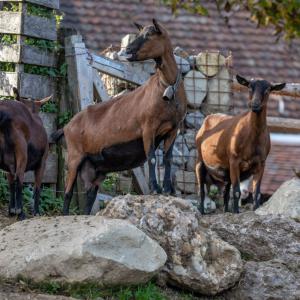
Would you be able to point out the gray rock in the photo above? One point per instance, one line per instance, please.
(186, 182)
(197, 259)
(182, 64)
(180, 151)
(192, 160)
(79, 248)
(25, 296)
(285, 201)
(189, 137)
(194, 120)
(270, 245)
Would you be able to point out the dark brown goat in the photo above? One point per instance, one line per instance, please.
(232, 148)
(23, 147)
(122, 133)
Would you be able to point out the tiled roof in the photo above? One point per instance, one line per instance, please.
(279, 166)
(255, 51)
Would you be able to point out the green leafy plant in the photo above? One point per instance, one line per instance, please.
(64, 118)
(11, 6)
(42, 44)
(7, 67)
(8, 39)
(3, 188)
(39, 70)
(40, 11)
(49, 203)
(49, 107)
(109, 184)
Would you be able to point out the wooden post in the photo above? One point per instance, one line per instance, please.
(80, 76)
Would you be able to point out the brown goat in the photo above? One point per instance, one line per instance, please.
(232, 148)
(23, 147)
(122, 133)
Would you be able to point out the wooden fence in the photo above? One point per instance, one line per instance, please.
(21, 26)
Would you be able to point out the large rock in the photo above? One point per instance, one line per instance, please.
(23, 296)
(194, 120)
(285, 201)
(198, 259)
(270, 245)
(79, 248)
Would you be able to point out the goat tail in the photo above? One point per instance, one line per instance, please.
(57, 135)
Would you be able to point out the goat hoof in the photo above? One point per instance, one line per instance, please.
(155, 190)
(21, 216)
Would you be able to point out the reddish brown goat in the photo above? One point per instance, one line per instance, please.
(122, 133)
(232, 148)
(23, 147)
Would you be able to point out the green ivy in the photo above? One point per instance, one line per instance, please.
(8, 39)
(7, 67)
(49, 107)
(64, 118)
(109, 184)
(51, 46)
(40, 11)
(11, 6)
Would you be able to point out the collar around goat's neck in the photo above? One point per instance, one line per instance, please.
(171, 89)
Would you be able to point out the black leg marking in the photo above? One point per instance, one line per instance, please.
(154, 187)
(236, 197)
(19, 200)
(257, 197)
(36, 197)
(168, 187)
(12, 201)
(67, 200)
(91, 196)
(226, 196)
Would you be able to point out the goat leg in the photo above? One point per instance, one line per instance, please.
(226, 195)
(154, 186)
(12, 190)
(19, 199)
(235, 181)
(168, 187)
(91, 196)
(256, 187)
(201, 175)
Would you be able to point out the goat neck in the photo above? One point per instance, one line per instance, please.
(167, 67)
(258, 121)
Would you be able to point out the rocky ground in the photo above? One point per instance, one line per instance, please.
(227, 256)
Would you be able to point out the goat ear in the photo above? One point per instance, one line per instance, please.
(138, 26)
(241, 80)
(277, 87)
(156, 26)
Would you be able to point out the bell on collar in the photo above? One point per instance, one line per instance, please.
(168, 93)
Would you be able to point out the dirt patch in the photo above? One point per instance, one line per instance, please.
(4, 219)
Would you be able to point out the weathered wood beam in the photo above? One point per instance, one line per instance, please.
(99, 86)
(117, 69)
(283, 125)
(48, 3)
(141, 181)
(291, 89)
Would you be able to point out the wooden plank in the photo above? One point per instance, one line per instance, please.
(48, 3)
(8, 80)
(117, 69)
(38, 27)
(99, 85)
(11, 22)
(283, 125)
(291, 89)
(141, 181)
(35, 56)
(50, 174)
(49, 122)
(36, 86)
(10, 53)
(80, 73)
